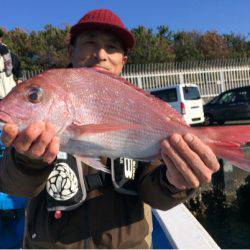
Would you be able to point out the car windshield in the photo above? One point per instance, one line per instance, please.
(167, 95)
(191, 93)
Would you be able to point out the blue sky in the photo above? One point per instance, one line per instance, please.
(225, 16)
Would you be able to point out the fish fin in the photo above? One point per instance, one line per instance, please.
(163, 106)
(94, 163)
(100, 128)
(229, 142)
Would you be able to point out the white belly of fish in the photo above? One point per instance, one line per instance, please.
(132, 144)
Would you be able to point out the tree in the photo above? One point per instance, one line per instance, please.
(39, 50)
(237, 45)
(186, 46)
(150, 47)
(213, 46)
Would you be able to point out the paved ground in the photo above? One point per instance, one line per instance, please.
(247, 122)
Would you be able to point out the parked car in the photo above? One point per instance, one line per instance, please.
(185, 98)
(231, 105)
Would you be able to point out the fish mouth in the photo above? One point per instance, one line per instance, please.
(5, 117)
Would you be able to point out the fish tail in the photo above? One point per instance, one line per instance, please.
(229, 142)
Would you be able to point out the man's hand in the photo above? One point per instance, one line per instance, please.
(189, 161)
(37, 141)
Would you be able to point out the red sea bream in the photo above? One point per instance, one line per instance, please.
(100, 114)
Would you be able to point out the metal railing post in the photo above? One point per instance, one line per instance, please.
(222, 81)
(181, 77)
(139, 81)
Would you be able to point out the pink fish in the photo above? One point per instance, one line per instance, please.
(99, 114)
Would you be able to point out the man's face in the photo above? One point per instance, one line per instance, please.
(98, 49)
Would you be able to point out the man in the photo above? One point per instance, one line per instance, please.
(9, 66)
(109, 217)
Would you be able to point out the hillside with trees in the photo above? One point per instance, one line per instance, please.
(47, 48)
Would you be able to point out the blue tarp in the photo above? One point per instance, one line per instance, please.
(11, 202)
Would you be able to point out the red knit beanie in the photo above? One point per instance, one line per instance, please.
(104, 19)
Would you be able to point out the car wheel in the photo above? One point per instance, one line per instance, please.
(208, 120)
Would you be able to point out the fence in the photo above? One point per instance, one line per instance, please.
(212, 77)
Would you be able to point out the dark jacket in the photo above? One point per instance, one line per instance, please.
(106, 219)
(17, 70)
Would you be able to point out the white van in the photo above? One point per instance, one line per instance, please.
(185, 98)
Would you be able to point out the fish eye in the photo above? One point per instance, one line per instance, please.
(35, 95)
